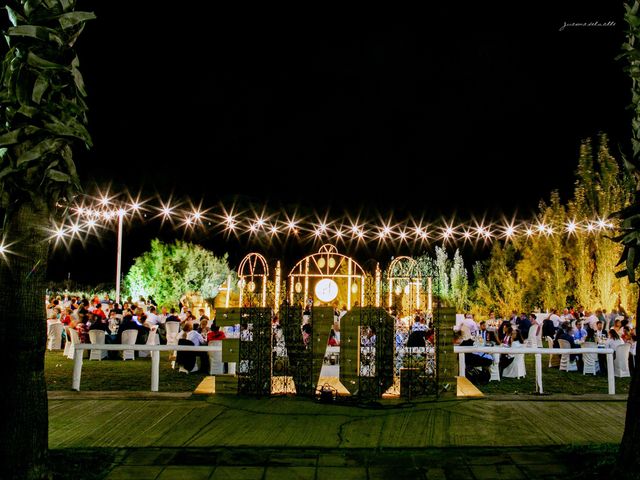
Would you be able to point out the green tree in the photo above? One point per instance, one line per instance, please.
(459, 292)
(43, 117)
(629, 239)
(167, 271)
(498, 288)
(442, 266)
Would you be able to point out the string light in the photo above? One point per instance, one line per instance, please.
(104, 208)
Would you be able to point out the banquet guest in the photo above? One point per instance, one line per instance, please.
(600, 332)
(617, 325)
(215, 334)
(626, 334)
(99, 312)
(189, 334)
(131, 322)
(524, 324)
(486, 335)
(513, 318)
(203, 328)
(470, 323)
(602, 315)
(513, 339)
(579, 332)
(82, 327)
(613, 341)
(590, 319)
(566, 316)
(153, 319)
(505, 331)
(99, 323)
(548, 329)
(65, 318)
(172, 316)
(555, 319)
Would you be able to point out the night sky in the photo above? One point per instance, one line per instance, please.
(470, 111)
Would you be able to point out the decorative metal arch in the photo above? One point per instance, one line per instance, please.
(327, 263)
(253, 267)
(404, 269)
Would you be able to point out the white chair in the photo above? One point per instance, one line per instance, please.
(554, 360)
(129, 337)
(565, 360)
(517, 368)
(152, 339)
(216, 366)
(97, 338)
(172, 332)
(621, 362)
(589, 360)
(75, 340)
(54, 336)
(67, 345)
(495, 368)
(532, 338)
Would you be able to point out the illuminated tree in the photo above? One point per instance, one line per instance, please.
(459, 291)
(167, 271)
(43, 117)
(497, 287)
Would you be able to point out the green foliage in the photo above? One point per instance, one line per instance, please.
(459, 288)
(168, 271)
(498, 288)
(43, 110)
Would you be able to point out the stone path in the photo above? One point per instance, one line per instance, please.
(267, 464)
(226, 436)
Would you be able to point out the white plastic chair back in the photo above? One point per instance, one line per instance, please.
(97, 338)
(68, 344)
(565, 360)
(517, 368)
(621, 362)
(216, 366)
(553, 359)
(172, 332)
(75, 340)
(589, 359)
(55, 336)
(129, 337)
(532, 338)
(152, 339)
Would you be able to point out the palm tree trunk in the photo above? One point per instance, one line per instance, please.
(24, 425)
(631, 439)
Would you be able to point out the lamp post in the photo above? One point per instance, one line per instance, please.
(121, 213)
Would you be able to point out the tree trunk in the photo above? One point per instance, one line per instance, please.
(631, 439)
(24, 424)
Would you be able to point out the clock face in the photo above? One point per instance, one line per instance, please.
(326, 290)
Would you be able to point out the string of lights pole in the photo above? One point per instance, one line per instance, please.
(89, 213)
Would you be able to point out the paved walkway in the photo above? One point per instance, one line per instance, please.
(233, 437)
(241, 464)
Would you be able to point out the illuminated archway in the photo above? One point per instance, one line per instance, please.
(331, 273)
(253, 274)
(403, 275)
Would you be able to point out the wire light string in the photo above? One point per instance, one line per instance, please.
(94, 213)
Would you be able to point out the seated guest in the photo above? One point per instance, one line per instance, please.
(524, 324)
(504, 329)
(578, 332)
(129, 322)
(511, 336)
(99, 312)
(203, 328)
(99, 323)
(82, 327)
(153, 319)
(172, 316)
(65, 318)
(614, 340)
(215, 334)
(476, 364)
(548, 328)
(600, 333)
(487, 336)
(191, 336)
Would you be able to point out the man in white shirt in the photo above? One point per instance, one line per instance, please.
(153, 319)
(470, 323)
(590, 319)
(184, 314)
(555, 318)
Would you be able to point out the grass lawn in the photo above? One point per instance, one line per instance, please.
(554, 381)
(112, 375)
(107, 375)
